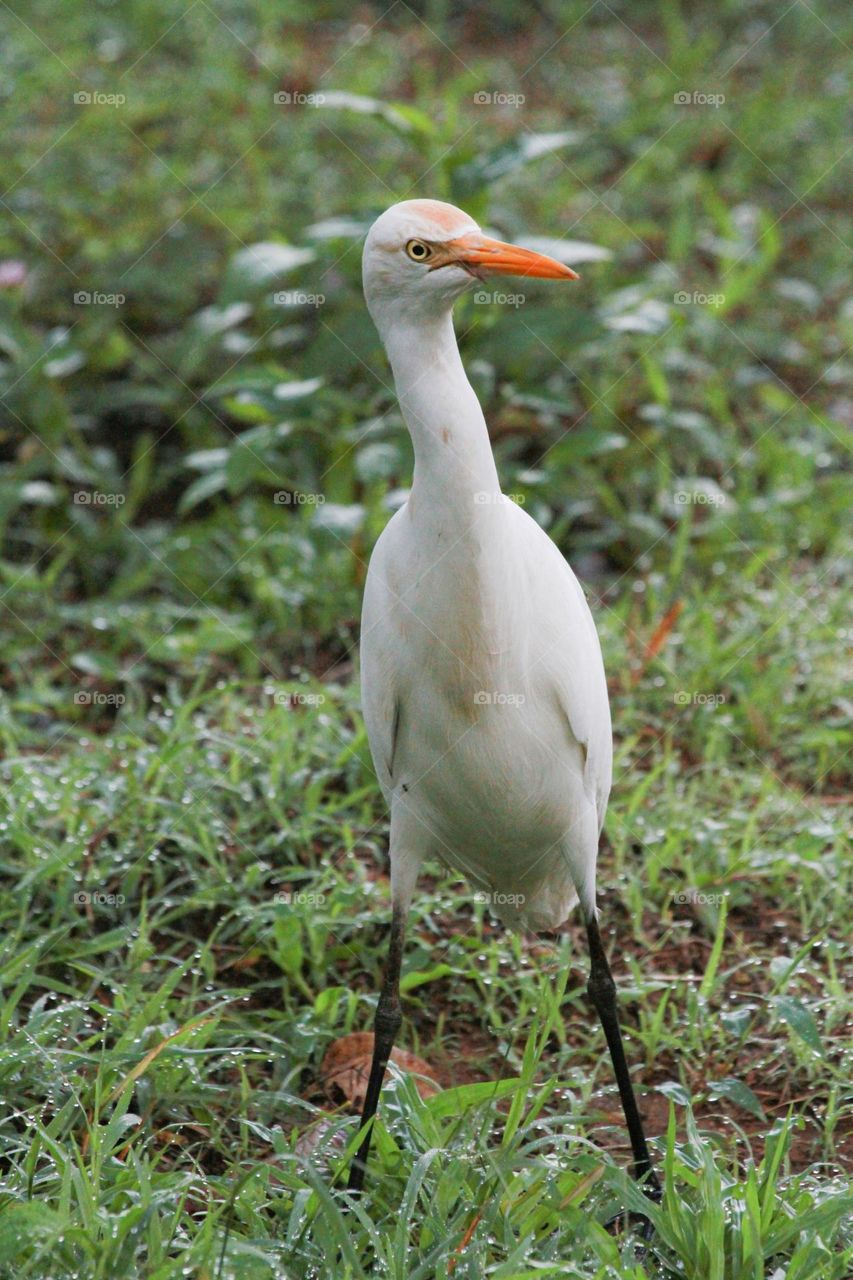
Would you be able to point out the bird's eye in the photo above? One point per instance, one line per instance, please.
(418, 251)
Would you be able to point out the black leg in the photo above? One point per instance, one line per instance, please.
(385, 1027)
(602, 992)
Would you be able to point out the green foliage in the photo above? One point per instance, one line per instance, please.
(196, 457)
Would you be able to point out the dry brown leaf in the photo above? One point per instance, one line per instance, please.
(144, 1063)
(246, 961)
(317, 1134)
(464, 1242)
(345, 1069)
(660, 635)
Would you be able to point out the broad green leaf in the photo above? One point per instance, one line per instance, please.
(675, 1091)
(420, 977)
(508, 158)
(206, 486)
(404, 119)
(453, 1102)
(798, 1018)
(738, 1093)
(296, 390)
(254, 268)
(571, 252)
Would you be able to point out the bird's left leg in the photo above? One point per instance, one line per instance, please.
(602, 991)
(385, 1027)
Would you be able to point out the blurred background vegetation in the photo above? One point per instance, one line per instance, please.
(198, 397)
(199, 444)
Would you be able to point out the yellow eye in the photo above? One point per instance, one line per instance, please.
(418, 251)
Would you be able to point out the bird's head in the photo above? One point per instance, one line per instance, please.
(420, 255)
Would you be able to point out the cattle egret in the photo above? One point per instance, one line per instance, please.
(483, 685)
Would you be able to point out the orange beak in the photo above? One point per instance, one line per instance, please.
(479, 254)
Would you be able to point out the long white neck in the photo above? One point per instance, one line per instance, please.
(465, 556)
(453, 454)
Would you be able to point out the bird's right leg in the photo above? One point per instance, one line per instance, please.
(602, 992)
(385, 1027)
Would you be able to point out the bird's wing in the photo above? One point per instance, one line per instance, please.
(380, 691)
(567, 654)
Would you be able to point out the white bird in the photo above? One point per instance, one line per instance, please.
(483, 685)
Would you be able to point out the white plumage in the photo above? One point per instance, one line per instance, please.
(483, 685)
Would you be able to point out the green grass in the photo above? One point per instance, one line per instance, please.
(194, 881)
